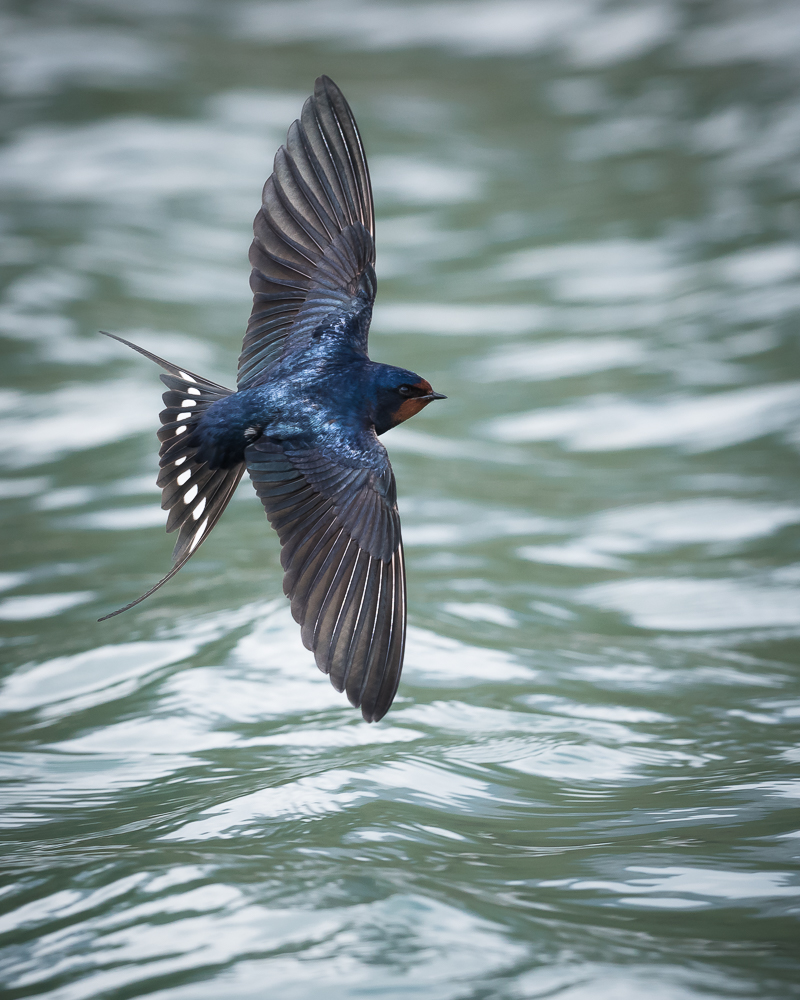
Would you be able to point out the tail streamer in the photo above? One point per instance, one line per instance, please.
(194, 494)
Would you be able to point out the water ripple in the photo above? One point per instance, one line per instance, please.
(587, 785)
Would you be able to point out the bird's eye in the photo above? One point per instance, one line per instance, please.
(406, 390)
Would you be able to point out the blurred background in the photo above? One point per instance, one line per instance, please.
(588, 238)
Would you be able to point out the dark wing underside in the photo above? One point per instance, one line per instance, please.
(313, 254)
(313, 259)
(343, 556)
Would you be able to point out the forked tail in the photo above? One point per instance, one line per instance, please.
(194, 494)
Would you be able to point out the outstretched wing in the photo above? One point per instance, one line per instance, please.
(194, 495)
(313, 254)
(343, 559)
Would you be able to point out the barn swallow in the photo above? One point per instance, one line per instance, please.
(305, 417)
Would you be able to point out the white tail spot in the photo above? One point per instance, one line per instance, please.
(183, 477)
(199, 509)
(186, 376)
(194, 392)
(198, 535)
(183, 416)
(190, 494)
(181, 430)
(180, 461)
(189, 402)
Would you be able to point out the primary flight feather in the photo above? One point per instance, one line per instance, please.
(305, 417)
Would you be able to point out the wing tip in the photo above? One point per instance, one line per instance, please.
(375, 715)
(325, 90)
(324, 84)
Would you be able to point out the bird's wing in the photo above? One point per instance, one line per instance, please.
(313, 254)
(194, 495)
(343, 559)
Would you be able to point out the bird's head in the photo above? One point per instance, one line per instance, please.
(398, 395)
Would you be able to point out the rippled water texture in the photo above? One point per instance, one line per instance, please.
(588, 238)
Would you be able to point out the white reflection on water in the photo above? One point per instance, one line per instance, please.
(10, 580)
(606, 981)
(694, 424)
(217, 926)
(560, 761)
(42, 427)
(719, 519)
(654, 527)
(478, 611)
(319, 795)
(20, 609)
(35, 60)
(616, 269)
(730, 885)
(763, 265)
(473, 27)
(455, 522)
(439, 788)
(621, 34)
(457, 320)
(571, 554)
(436, 446)
(757, 32)
(133, 161)
(414, 181)
(121, 519)
(22, 487)
(440, 661)
(688, 605)
(649, 283)
(121, 162)
(71, 683)
(557, 359)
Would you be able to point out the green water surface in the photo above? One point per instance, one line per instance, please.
(587, 788)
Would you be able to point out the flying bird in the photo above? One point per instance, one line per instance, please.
(305, 417)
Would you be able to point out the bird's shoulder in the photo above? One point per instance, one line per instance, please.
(348, 445)
(327, 389)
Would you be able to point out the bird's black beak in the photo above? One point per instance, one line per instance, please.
(434, 395)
